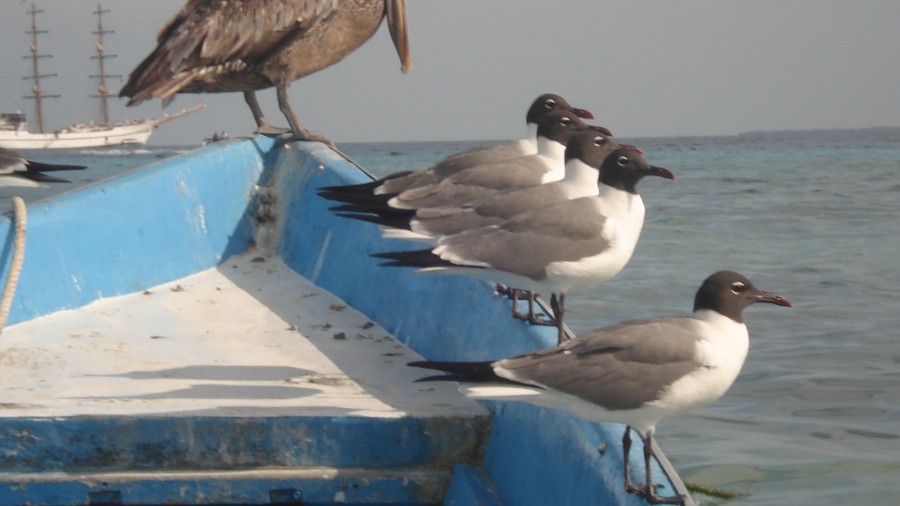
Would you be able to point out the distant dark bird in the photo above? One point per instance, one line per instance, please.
(562, 248)
(406, 180)
(16, 170)
(215, 46)
(636, 372)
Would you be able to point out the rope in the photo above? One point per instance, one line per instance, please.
(18, 258)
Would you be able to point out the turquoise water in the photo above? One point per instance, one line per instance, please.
(815, 415)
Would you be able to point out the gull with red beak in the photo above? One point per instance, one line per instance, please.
(567, 247)
(407, 180)
(635, 372)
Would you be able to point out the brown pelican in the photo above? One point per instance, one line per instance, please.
(215, 46)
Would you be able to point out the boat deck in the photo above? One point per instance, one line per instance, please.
(250, 337)
(196, 372)
(246, 350)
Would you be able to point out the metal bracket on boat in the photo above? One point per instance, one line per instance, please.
(285, 496)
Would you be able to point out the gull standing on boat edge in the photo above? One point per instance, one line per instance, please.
(406, 180)
(547, 165)
(636, 372)
(215, 46)
(571, 246)
(582, 179)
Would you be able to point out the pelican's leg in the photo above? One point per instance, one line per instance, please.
(262, 125)
(284, 103)
(558, 305)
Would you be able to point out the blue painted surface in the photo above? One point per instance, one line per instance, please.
(471, 486)
(152, 225)
(107, 444)
(229, 488)
(533, 456)
(527, 473)
(441, 317)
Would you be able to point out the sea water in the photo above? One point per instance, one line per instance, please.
(814, 417)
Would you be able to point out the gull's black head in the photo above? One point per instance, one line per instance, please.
(729, 293)
(624, 167)
(591, 147)
(560, 126)
(551, 102)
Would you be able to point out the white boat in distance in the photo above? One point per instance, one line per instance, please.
(14, 133)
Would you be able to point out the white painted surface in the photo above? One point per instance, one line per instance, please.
(249, 338)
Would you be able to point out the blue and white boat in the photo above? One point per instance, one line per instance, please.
(204, 331)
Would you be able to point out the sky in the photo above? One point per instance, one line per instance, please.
(646, 69)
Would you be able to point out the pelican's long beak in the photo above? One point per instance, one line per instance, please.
(395, 10)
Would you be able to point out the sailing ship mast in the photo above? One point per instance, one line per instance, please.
(102, 91)
(38, 95)
(14, 132)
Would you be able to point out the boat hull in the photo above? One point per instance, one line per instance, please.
(242, 197)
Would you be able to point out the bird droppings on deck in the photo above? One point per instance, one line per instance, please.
(248, 338)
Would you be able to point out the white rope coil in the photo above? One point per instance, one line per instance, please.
(18, 258)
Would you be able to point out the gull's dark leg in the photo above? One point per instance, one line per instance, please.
(651, 496)
(533, 318)
(530, 317)
(649, 487)
(626, 449)
(513, 294)
(648, 490)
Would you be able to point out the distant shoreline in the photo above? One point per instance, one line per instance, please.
(882, 133)
(824, 132)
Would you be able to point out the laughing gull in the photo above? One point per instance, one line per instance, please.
(214, 46)
(636, 372)
(429, 224)
(19, 171)
(401, 181)
(585, 154)
(571, 246)
(548, 165)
